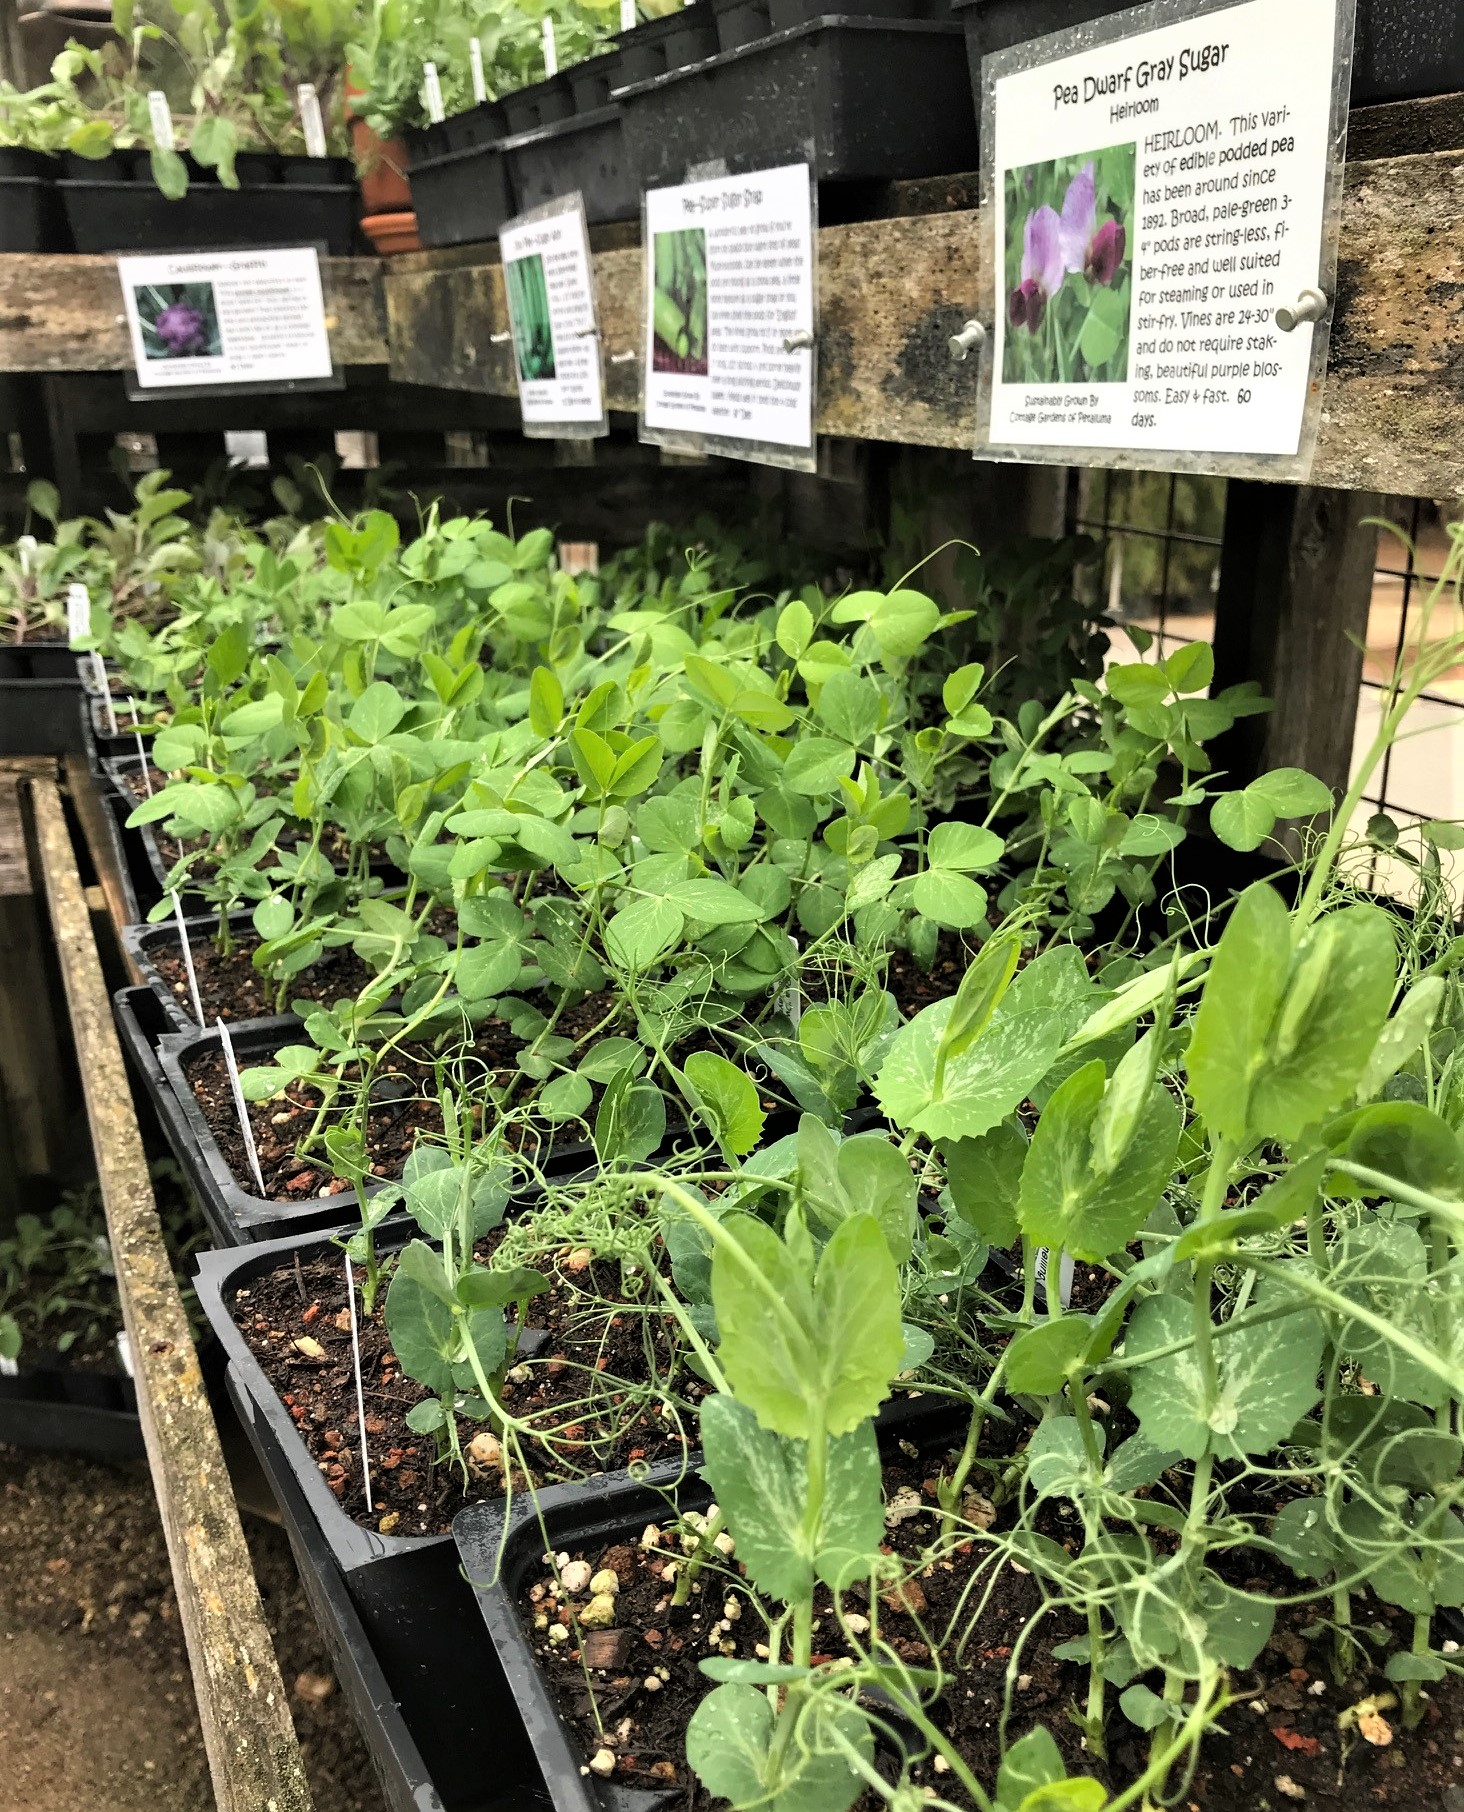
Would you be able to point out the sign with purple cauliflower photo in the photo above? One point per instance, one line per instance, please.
(220, 321)
(178, 320)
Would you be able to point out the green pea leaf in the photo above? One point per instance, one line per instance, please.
(729, 1098)
(761, 1482)
(1067, 1201)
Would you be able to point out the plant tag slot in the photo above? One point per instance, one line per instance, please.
(432, 90)
(311, 122)
(475, 64)
(187, 957)
(360, 1395)
(143, 762)
(1065, 1273)
(226, 1045)
(104, 686)
(161, 119)
(78, 614)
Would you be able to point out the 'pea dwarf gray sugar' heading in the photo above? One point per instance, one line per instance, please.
(1136, 77)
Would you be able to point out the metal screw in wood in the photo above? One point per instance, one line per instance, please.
(1310, 305)
(972, 337)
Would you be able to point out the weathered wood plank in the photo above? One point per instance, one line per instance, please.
(253, 1754)
(64, 313)
(891, 292)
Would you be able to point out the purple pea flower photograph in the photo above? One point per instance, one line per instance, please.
(1068, 270)
(179, 320)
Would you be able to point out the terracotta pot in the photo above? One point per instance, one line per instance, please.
(381, 166)
(390, 233)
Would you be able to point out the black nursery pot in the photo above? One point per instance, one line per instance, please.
(414, 1660)
(141, 942)
(390, 1621)
(39, 659)
(877, 99)
(586, 153)
(40, 695)
(141, 858)
(590, 82)
(461, 196)
(742, 22)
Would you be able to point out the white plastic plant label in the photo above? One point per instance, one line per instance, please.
(226, 1044)
(206, 319)
(104, 686)
(78, 614)
(627, 15)
(432, 93)
(729, 329)
(182, 928)
(1159, 186)
(160, 119)
(550, 283)
(551, 49)
(311, 123)
(475, 66)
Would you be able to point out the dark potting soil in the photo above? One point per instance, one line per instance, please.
(404, 1107)
(604, 1371)
(915, 988)
(1282, 1744)
(231, 988)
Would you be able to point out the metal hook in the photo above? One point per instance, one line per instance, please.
(798, 342)
(971, 337)
(1310, 305)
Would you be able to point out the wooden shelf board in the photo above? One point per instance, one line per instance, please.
(892, 291)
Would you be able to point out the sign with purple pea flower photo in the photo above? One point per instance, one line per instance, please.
(1162, 187)
(219, 321)
(1069, 277)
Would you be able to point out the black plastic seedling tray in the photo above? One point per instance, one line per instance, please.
(501, 1544)
(413, 1661)
(50, 1406)
(236, 1215)
(499, 1550)
(586, 152)
(116, 207)
(864, 99)
(141, 941)
(38, 660)
(32, 217)
(145, 867)
(39, 717)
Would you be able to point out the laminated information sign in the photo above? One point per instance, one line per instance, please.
(1163, 190)
(550, 283)
(219, 320)
(729, 364)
